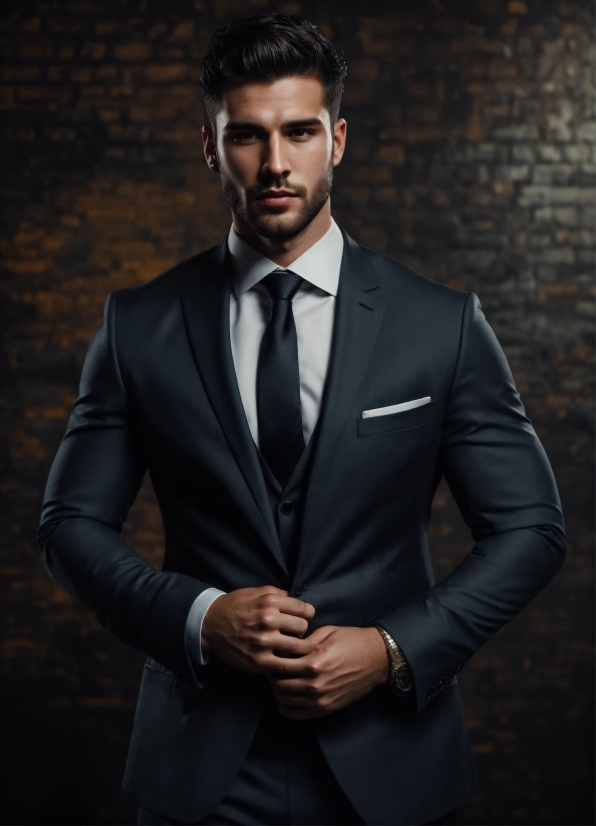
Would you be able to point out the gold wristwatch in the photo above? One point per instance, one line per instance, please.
(400, 676)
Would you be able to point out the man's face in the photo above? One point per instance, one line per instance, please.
(275, 150)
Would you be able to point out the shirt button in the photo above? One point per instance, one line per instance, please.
(287, 507)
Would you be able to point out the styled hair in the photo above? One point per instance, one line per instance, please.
(267, 47)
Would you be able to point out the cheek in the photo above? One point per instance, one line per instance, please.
(240, 165)
(310, 159)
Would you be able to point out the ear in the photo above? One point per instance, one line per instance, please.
(339, 140)
(209, 148)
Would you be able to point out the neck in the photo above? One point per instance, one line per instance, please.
(283, 252)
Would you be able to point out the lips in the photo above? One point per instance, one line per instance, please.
(273, 197)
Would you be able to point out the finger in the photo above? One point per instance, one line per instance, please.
(296, 661)
(299, 646)
(293, 686)
(289, 624)
(272, 589)
(296, 607)
(288, 645)
(303, 645)
(288, 666)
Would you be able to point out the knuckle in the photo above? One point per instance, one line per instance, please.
(266, 619)
(260, 641)
(317, 688)
(316, 668)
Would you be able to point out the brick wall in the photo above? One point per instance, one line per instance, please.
(471, 157)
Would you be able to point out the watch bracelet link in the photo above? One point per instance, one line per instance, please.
(400, 675)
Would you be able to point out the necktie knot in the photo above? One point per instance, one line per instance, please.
(282, 284)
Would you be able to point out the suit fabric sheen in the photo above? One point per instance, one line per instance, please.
(158, 391)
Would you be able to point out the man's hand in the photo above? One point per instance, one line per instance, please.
(344, 663)
(247, 626)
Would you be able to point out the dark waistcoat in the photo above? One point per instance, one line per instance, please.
(287, 504)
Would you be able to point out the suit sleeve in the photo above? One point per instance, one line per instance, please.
(499, 475)
(93, 482)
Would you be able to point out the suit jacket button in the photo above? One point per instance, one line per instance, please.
(287, 507)
(298, 589)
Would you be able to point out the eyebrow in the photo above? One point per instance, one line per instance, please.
(238, 126)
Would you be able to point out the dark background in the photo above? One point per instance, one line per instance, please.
(471, 157)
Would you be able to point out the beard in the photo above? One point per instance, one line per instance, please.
(278, 225)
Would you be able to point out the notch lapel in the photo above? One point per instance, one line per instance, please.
(358, 315)
(206, 310)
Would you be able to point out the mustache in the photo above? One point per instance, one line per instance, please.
(258, 189)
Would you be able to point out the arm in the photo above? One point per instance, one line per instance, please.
(92, 484)
(500, 477)
(502, 481)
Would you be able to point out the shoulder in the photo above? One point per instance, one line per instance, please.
(165, 287)
(404, 283)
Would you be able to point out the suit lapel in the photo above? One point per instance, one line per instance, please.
(206, 308)
(358, 314)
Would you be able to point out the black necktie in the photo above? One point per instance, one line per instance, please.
(278, 380)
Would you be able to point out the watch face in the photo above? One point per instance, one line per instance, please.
(403, 679)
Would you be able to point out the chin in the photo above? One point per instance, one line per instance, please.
(280, 226)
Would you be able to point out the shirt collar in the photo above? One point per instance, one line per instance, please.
(319, 265)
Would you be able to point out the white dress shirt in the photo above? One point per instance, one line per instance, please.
(250, 310)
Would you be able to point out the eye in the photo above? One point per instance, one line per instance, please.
(301, 133)
(242, 137)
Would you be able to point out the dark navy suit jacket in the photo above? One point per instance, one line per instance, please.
(158, 392)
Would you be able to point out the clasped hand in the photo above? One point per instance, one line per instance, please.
(262, 630)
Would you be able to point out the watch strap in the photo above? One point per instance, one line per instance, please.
(400, 674)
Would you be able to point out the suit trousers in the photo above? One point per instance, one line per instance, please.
(285, 779)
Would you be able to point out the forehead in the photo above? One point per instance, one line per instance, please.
(273, 102)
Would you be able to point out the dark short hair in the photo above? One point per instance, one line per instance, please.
(269, 46)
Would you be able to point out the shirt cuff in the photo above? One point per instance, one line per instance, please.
(194, 624)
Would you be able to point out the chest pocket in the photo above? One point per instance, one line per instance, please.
(377, 425)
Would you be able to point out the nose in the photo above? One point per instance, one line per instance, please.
(275, 163)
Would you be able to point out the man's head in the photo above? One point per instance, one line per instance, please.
(272, 87)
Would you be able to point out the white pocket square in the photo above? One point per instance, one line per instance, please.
(395, 408)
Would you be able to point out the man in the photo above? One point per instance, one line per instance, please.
(296, 399)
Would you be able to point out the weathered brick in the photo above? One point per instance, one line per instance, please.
(554, 256)
(166, 72)
(414, 134)
(526, 154)
(513, 172)
(93, 51)
(392, 154)
(65, 51)
(365, 69)
(537, 195)
(517, 7)
(587, 132)
(55, 73)
(517, 132)
(107, 72)
(19, 73)
(568, 216)
(552, 173)
(81, 74)
(184, 30)
(132, 52)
